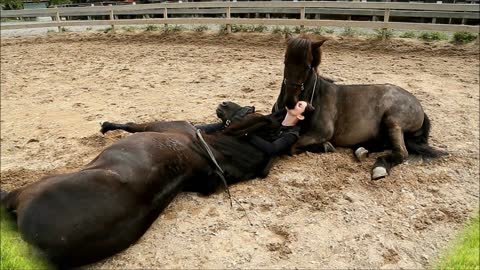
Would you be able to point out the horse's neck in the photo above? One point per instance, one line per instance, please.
(311, 88)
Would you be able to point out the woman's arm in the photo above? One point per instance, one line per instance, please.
(276, 147)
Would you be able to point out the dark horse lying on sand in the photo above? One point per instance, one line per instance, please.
(81, 217)
(376, 116)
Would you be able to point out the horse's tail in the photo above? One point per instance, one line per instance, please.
(3, 195)
(417, 142)
(8, 200)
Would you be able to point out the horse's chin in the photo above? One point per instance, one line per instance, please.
(220, 113)
(290, 104)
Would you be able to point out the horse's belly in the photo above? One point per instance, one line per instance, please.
(355, 136)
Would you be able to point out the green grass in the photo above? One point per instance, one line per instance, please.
(129, 28)
(329, 31)
(431, 36)
(200, 28)
(242, 28)
(277, 30)
(15, 253)
(299, 30)
(150, 28)
(383, 33)
(259, 28)
(316, 30)
(463, 37)
(174, 28)
(349, 32)
(464, 254)
(108, 29)
(408, 34)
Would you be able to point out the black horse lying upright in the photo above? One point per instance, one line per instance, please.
(81, 217)
(379, 115)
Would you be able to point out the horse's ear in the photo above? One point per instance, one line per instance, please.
(316, 53)
(318, 44)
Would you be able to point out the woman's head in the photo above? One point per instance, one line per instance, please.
(301, 109)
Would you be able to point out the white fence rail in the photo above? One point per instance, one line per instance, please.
(226, 9)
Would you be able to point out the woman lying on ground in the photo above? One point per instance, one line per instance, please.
(274, 134)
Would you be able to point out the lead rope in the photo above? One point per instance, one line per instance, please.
(220, 173)
(314, 88)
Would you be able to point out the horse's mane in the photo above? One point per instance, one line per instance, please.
(240, 160)
(304, 49)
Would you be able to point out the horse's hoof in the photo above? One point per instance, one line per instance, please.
(328, 147)
(361, 153)
(104, 127)
(379, 173)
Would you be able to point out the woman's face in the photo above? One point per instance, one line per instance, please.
(299, 108)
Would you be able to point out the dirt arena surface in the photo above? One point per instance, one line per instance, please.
(314, 210)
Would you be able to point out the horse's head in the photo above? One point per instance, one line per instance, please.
(301, 59)
(232, 112)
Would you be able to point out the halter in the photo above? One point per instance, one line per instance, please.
(302, 88)
(242, 112)
(301, 85)
(227, 123)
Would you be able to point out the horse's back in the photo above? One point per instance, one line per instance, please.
(172, 127)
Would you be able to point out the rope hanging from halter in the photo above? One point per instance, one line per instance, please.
(220, 173)
(218, 170)
(314, 88)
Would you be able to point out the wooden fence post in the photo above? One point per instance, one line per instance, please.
(57, 18)
(111, 16)
(386, 18)
(90, 17)
(302, 17)
(165, 16)
(229, 15)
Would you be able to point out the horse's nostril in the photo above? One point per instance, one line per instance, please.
(224, 103)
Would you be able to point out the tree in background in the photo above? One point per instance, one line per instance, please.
(12, 4)
(60, 2)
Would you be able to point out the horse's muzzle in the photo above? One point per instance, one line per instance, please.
(290, 101)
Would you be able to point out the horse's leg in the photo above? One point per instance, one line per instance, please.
(129, 127)
(383, 164)
(379, 144)
(266, 168)
(312, 143)
(361, 153)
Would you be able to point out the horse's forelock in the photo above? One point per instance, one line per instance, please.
(299, 50)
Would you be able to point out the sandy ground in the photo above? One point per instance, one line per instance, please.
(314, 210)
